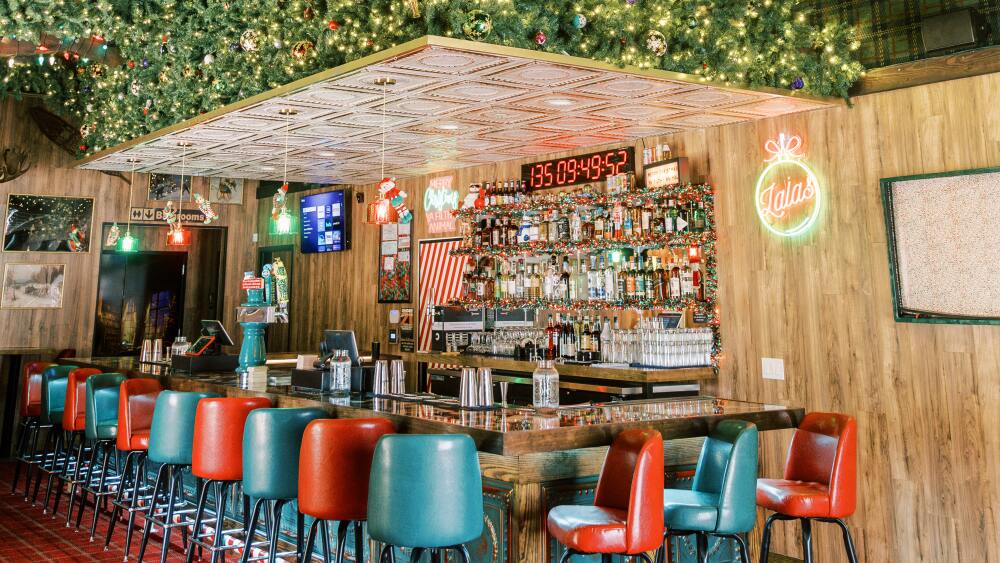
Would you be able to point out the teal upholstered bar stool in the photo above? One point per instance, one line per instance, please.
(426, 493)
(54, 381)
(722, 501)
(272, 439)
(101, 430)
(170, 438)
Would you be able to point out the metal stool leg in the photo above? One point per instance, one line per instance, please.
(852, 555)
(221, 492)
(807, 547)
(306, 554)
(53, 469)
(359, 540)
(72, 490)
(91, 464)
(702, 543)
(147, 528)
(176, 482)
(27, 424)
(123, 484)
(327, 553)
(49, 436)
(272, 550)
(107, 447)
(251, 529)
(341, 540)
(140, 483)
(198, 513)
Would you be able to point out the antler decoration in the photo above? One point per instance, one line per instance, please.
(14, 163)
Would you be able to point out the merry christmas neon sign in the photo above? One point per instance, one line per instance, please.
(788, 195)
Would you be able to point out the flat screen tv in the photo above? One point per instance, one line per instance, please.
(326, 222)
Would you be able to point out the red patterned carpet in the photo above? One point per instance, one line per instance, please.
(28, 535)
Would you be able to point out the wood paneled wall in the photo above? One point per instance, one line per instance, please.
(927, 397)
(53, 174)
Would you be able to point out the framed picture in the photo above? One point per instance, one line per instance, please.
(943, 234)
(165, 186)
(48, 223)
(394, 268)
(226, 190)
(33, 286)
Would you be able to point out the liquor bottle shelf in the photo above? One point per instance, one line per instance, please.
(699, 307)
(584, 247)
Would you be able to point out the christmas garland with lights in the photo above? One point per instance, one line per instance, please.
(181, 59)
(677, 240)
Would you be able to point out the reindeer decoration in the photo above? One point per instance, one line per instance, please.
(13, 163)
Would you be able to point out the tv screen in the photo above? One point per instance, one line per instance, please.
(325, 222)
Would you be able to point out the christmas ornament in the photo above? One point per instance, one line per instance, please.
(308, 13)
(209, 59)
(163, 49)
(145, 62)
(170, 216)
(798, 83)
(579, 21)
(234, 47)
(206, 208)
(277, 43)
(278, 201)
(250, 40)
(388, 190)
(280, 282)
(656, 43)
(76, 239)
(135, 88)
(187, 72)
(630, 2)
(131, 64)
(540, 37)
(301, 48)
(478, 25)
(114, 233)
(333, 25)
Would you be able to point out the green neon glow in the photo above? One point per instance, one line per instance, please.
(808, 221)
(283, 225)
(128, 243)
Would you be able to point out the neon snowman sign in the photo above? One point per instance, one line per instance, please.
(787, 196)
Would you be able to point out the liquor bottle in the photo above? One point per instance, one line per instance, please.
(645, 221)
(598, 225)
(576, 228)
(587, 227)
(512, 230)
(675, 281)
(687, 283)
(563, 228)
(671, 218)
(553, 226)
(698, 282)
(659, 282)
(630, 279)
(532, 282)
(564, 281)
(640, 280)
(606, 355)
(683, 219)
(595, 340)
(583, 354)
(617, 222)
(552, 335)
(658, 222)
(569, 352)
(593, 280)
(610, 285)
(627, 230)
(700, 219)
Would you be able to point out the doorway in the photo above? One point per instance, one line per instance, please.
(278, 337)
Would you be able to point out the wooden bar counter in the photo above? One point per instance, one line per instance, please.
(530, 461)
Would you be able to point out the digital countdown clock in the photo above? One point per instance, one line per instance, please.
(593, 167)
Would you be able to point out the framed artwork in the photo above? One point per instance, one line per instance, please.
(33, 286)
(165, 186)
(394, 268)
(226, 190)
(48, 223)
(943, 234)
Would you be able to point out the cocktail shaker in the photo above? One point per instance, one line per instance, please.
(380, 385)
(397, 377)
(157, 350)
(147, 351)
(468, 395)
(485, 377)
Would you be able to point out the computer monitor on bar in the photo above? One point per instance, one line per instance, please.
(340, 340)
(215, 328)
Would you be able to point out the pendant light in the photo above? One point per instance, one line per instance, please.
(180, 236)
(129, 243)
(280, 216)
(380, 212)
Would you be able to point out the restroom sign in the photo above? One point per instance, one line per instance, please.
(788, 194)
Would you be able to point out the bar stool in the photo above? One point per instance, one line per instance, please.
(271, 443)
(217, 458)
(425, 492)
(820, 480)
(136, 401)
(334, 469)
(54, 380)
(170, 437)
(73, 423)
(627, 515)
(721, 501)
(29, 411)
(101, 431)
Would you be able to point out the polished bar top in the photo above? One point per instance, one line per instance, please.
(512, 431)
(630, 375)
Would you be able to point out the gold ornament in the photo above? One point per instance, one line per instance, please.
(301, 48)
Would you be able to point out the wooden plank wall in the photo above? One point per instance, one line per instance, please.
(927, 397)
(53, 174)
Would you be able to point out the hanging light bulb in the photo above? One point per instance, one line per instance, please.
(280, 216)
(129, 243)
(178, 235)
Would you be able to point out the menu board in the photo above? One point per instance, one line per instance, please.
(394, 273)
(325, 223)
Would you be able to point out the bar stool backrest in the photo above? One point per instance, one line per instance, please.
(217, 451)
(102, 406)
(271, 444)
(728, 468)
(172, 432)
(426, 490)
(335, 466)
(31, 388)
(75, 407)
(136, 401)
(632, 480)
(824, 450)
(54, 393)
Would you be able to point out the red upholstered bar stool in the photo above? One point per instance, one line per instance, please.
(335, 465)
(820, 480)
(136, 401)
(627, 515)
(74, 421)
(217, 458)
(29, 410)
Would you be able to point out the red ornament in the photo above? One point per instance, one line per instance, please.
(308, 13)
(165, 38)
(540, 38)
(131, 64)
(334, 25)
(83, 147)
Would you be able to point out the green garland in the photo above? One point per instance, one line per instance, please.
(183, 58)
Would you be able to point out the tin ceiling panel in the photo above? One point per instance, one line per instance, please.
(453, 104)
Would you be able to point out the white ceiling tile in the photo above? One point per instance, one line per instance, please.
(541, 74)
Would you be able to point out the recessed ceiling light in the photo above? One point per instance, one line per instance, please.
(267, 168)
(327, 154)
(448, 126)
(559, 102)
